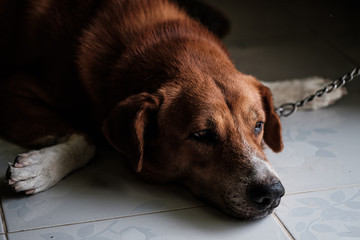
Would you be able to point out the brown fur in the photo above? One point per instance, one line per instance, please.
(148, 77)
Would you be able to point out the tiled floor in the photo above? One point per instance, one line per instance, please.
(320, 165)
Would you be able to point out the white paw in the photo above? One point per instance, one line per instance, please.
(290, 91)
(33, 172)
(37, 171)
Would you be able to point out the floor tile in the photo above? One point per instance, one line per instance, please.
(319, 150)
(104, 189)
(198, 223)
(333, 214)
(319, 145)
(2, 237)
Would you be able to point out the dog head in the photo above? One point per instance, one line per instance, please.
(207, 133)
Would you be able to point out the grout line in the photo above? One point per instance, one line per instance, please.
(324, 189)
(161, 211)
(107, 219)
(2, 219)
(287, 231)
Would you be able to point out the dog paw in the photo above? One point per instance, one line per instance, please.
(39, 170)
(31, 172)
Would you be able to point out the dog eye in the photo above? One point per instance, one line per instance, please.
(258, 127)
(206, 136)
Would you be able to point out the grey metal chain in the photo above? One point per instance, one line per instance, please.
(288, 109)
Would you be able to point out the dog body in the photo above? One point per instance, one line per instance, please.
(157, 84)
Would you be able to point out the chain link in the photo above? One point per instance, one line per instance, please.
(288, 109)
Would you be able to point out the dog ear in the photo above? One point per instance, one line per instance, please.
(272, 131)
(125, 126)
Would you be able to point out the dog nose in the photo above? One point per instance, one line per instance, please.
(266, 195)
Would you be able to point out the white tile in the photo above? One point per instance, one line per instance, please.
(320, 148)
(2, 237)
(106, 188)
(198, 223)
(333, 214)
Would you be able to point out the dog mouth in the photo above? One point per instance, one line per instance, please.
(243, 207)
(246, 211)
(246, 199)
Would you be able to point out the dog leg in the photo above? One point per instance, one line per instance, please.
(297, 89)
(27, 119)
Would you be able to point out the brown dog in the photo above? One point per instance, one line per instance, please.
(159, 86)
